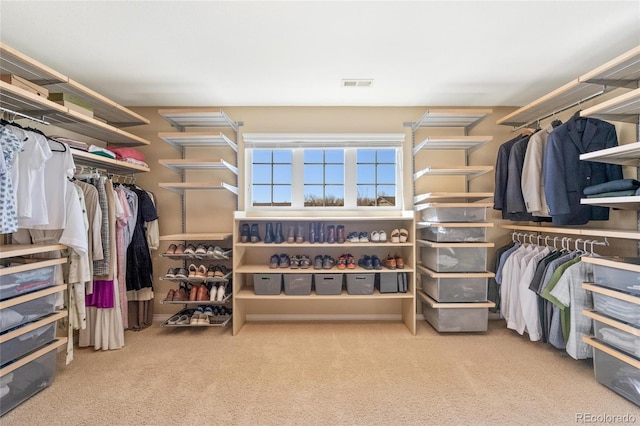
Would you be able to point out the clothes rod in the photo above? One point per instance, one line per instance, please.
(28, 117)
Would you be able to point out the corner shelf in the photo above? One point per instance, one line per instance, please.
(624, 155)
(471, 172)
(625, 107)
(466, 118)
(467, 143)
(180, 140)
(181, 187)
(197, 117)
(179, 165)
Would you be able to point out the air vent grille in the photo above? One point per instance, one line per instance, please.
(357, 83)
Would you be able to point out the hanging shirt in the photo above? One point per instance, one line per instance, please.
(11, 146)
(532, 183)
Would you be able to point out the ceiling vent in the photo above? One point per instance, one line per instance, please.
(357, 83)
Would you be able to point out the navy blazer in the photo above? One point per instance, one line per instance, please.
(566, 176)
(501, 179)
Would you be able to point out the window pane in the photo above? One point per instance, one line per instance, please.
(386, 174)
(386, 156)
(366, 195)
(261, 195)
(313, 195)
(262, 156)
(282, 195)
(313, 174)
(366, 174)
(334, 174)
(282, 156)
(282, 174)
(334, 195)
(386, 195)
(313, 156)
(261, 173)
(366, 156)
(334, 156)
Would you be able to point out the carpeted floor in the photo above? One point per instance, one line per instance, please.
(321, 374)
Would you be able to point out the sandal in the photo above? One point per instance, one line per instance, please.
(395, 236)
(171, 250)
(193, 271)
(202, 271)
(179, 249)
(404, 235)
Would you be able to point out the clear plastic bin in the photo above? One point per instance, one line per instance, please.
(619, 339)
(19, 283)
(328, 284)
(617, 375)
(618, 279)
(453, 290)
(447, 234)
(32, 310)
(360, 283)
(297, 284)
(455, 259)
(620, 309)
(454, 214)
(267, 284)
(27, 342)
(452, 320)
(28, 380)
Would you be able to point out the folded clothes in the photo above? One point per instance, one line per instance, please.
(101, 151)
(612, 186)
(136, 162)
(126, 152)
(628, 193)
(72, 143)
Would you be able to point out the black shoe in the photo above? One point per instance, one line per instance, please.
(245, 234)
(328, 262)
(365, 262)
(255, 233)
(268, 235)
(279, 238)
(317, 262)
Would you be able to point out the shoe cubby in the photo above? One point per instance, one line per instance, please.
(279, 262)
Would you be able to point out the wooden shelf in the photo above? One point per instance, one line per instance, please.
(420, 225)
(31, 266)
(15, 250)
(623, 71)
(433, 274)
(419, 207)
(452, 196)
(84, 158)
(180, 187)
(246, 294)
(346, 245)
(405, 215)
(611, 322)
(467, 143)
(264, 269)
(469, 305)
(179, 166)
(61, 341)
(197, 117)
(592, 341)
(471, 172)
(611, 293)
(425, 243)
(30, 326)
(204, 236)
(613, 262)
(16, 63)
(32, 296)
(180, 140)
(608, 233)
(624, 155)
(625, 107)
(624, 203)
(466, 118)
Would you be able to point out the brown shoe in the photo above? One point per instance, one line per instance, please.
(399, 262)
(170, 295)
(179, 249)
(193, 293)
(203, 293)
(171, 250)
(389, 262)
(180, 295)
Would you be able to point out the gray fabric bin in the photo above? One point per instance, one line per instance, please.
(267, 284)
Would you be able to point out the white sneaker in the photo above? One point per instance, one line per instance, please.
(382, 237)
(220, 293)
(375, 236)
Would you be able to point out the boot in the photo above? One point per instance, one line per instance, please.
(268, 234)
(340, 234)
(300, 234)
(331, 234)
(321, 234)
(312, 232)
(279, 238)
(255, 233)
(245, 234)
(291, 235)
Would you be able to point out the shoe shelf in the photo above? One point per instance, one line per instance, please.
(181, 187)
(181, 140)
(226, 299)
(264, 269)
(471, 172)
(452, 196)
(222, 279)
(467, 143)
(179, 166)
(213, 320)
(204, 236)
(465, 118)
(227, 255)
(198, 117)
(346, 244)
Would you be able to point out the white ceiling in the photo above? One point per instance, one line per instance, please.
(240, 53)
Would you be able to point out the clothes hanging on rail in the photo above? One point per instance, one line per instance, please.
(532, 183)
(11, 146)
(502, 186)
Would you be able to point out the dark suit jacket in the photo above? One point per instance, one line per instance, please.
(566, 176)
(501, 179)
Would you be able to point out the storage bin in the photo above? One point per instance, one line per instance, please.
(297, 284)
(447, 234)
(28, 380)
(27, 342)
(617, 375)
(448, 320)
(12, 285)
(620, 309)
(619, 339)
(267, 284)
(328, 284)
(454, 214)
(452, 290)
(455, 259)
(387, 282)
(360, 283)
(28, 311)
(618, 279)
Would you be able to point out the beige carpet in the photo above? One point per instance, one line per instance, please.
(321, 374)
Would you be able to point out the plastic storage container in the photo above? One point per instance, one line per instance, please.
(452, 290)
(618, 279)
(448, 234)
(456, 319)
(387, 282)
(267, 284)
(28, 380)
(619, 339)
(328, 284)
(360, 283)
(32, 310)
(454, 214)
(620, 309)
(27, 342)
(297, 284)
(455, 259)
(617, 375)
(12, 285)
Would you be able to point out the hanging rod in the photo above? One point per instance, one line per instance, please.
(574, 104)
(37, 120)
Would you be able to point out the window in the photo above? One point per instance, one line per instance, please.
(287, 174)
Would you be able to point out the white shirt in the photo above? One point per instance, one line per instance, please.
(529, 299)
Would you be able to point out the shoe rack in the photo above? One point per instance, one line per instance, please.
(360, 290)
(451, 246)
(208, 253)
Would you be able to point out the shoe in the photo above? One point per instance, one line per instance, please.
(182, 273)
(340, 234)
(300, 234)
(328, 262)
(365, 262)
(184, 319)
(213, 292)
(180, 295)
(353, 237)
(375, 237)
(173, 320)
(363, 238)
(342, 262)
(305, 262)
(218, 272)
(395, 236)
(245, 233)
(179, 249)
(274, 262)
(375, 262)
(255, 233)
(331, 234)
(195, 319)
(268, 233)
(295, 262)
(291, 234)
(211, 250)
(201, 249)
(312, 233)
(191, 249)
(399, 262)
(351, 262)
(382, 236)
(171, 273)
(285, 262)
(202, 271)
(211, 272)
(171, 250)
(170, 295)
(317, 262)
(220, 293)
(192, 270)
(404, 235)
(203, 293)
(193, 293)
(279, 238)
(389, 262)
(321, 234)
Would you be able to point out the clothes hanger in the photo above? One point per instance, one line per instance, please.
(556, 122)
